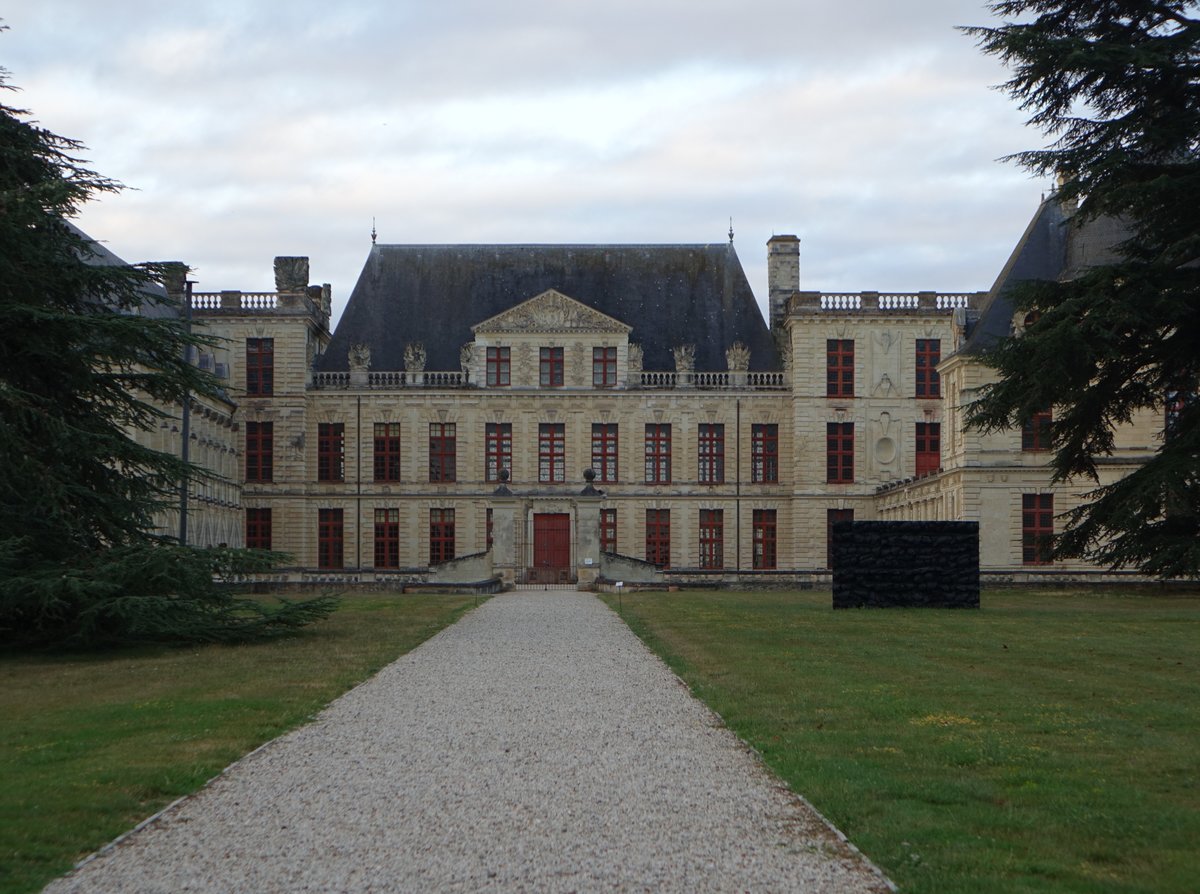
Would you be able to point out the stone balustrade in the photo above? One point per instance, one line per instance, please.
(382, 380)
(874, 302)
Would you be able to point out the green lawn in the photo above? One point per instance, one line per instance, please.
(92, 744)
(1049, 742)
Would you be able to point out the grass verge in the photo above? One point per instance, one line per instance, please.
(1046, 743)
(92, 744)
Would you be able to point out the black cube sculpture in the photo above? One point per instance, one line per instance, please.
(880, 564)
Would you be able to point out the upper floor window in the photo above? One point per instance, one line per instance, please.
(1035, 432)
(497, 450)
(839, 367)
(331, 451)
(929, 447)
(550, 368)
(929, 355)
(499, 367)
(443, 443)
(260, 451)
(839, 452)
(604, 367)
(260, 366)
(551, 453)
(711, 453)
(764, 454)
(604, 451)
(387, 451)
(658, 453)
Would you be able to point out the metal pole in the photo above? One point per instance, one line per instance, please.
(187, 418)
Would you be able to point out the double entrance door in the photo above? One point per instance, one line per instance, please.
(551, 549)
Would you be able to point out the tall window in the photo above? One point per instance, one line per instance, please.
(497, 449)
(387, 451)
(488, 531)
(839, 452)
(260, 366)
(387, 538)
(499, 367)
(258, 529)
(550, 368)
(839, 367)
(764, 539)
(1037, 528)
(604, 367)
(1035, 433)
(442, 446)
(604, 451)
(260, 451)
(331, 451)
(552, 448)
(658, 537)
(441, 536)
(712, 538)
(608, 530)
(832, 517)
(329, 538)
(764, 454)
(658, 453)
(929, 447)
(711, 453)
(929, 355)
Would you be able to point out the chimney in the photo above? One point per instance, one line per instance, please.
(783, 275)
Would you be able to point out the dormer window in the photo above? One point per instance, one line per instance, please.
(499, 367)
(604, 367)
(551, 368)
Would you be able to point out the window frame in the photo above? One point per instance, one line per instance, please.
(605, 455)
(497, 450)
(608, 530)
(927, 444)
(927, 381)
(604, 367)
(658, 537)
(839, 452)
(441, 535)
(1037, 529)
(498, 367)
(330, 539)
(710, 453)
(387, 537)
(331, 451)
(552, 452)
(260, 452)
(831, 517)
(551, 366)
(258, 527)
(658, 453)
(443, 452)
(839, 367)
(1035, 432)
(764, 540)
(712, 539)
(260, 367)
(764, 453)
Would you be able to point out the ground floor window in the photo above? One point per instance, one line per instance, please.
(1037, 528)
(832, 517)
(441, 536)
(608, 530)
(329, 538)
(764, 539)
(258, 529)
(658, 537)
(387, 538)
(712, 538)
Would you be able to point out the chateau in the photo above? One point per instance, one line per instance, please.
(442, 433)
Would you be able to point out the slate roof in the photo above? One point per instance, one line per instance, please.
(669, 294)
(1051, 248)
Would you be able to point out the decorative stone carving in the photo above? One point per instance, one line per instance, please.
(551, 311)
(291, 274)
(414, 357)
(635, 358)
(737, 358)
(466, 356)
(685, 358)
(360, 358)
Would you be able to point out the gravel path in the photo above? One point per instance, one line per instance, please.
(536, 745)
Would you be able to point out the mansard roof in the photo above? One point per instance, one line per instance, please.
(1051, 248)
(669, 294)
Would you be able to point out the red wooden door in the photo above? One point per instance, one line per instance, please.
(551, 544)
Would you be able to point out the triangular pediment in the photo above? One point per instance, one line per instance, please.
(551, 311)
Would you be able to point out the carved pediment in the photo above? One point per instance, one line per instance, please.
(551, 311)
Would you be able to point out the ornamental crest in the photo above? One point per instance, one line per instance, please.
(360, 358)
(685, 358)
(414, 357)
(737, 358)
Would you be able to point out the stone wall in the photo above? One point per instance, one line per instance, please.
(930, 564)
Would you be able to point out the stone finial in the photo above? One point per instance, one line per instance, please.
(466, 356)
(635, 358)
(291, 274)
(360, 358)
(685, 358)
(414, 357)
(737, 358)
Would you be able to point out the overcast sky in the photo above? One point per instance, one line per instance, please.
(255, 129)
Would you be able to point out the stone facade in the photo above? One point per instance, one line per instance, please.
(856, 415)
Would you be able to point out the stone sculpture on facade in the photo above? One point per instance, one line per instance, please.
(685, 358)
(414, 357)
(737, 358)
